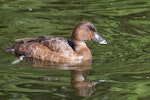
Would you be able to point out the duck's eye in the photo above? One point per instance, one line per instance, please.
(88, 30)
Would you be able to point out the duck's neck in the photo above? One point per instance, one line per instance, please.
(81, 49)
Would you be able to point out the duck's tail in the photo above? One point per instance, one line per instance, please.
(10, 49)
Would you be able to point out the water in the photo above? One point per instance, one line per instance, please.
(123, 64)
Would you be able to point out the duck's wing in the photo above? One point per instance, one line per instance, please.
(56, 44)
(31, 46)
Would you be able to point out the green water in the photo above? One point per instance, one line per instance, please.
(123, 63)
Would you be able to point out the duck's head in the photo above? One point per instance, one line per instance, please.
(85, 31)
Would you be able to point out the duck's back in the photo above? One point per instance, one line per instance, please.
(44, 47)
(57, 44)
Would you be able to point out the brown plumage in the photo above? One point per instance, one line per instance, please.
(60, 49)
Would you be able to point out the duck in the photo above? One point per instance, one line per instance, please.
(59, 49)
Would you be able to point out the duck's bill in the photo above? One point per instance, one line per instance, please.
(98, 38)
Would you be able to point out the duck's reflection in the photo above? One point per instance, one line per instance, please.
(81, 86)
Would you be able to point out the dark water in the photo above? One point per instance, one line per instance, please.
(123, 64)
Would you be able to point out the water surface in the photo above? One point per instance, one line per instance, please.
(123, 63)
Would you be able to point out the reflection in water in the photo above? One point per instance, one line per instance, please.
(81, 86)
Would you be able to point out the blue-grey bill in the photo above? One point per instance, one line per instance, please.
(99, 39)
